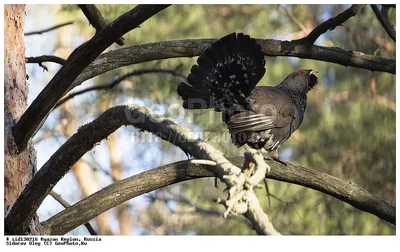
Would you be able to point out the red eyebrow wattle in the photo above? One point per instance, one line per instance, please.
(302, 71)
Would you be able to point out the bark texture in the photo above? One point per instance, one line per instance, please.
(18, 168)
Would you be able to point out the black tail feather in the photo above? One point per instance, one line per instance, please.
(226, 73)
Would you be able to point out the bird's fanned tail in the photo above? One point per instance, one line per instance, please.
(226, 73)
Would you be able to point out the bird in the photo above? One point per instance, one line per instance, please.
(225, 79)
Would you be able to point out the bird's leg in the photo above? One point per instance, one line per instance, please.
(274, 155)
(248, 168)
(265, 154)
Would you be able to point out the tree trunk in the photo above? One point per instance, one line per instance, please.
(18, 167)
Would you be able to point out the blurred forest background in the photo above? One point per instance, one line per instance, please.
(348, 131)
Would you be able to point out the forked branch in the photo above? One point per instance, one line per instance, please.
(96, 19)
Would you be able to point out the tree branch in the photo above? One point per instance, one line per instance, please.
(389, 5)
(91, 134)
(45, 58)
(382, 16)
(48, 29)
(331, 24)
(80, 58)
(194, 47)
(65, 204)
(166, 175)
(96, 19)
(120, 192)
(117, 81)
(258, 217)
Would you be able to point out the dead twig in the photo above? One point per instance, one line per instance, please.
(48, 29)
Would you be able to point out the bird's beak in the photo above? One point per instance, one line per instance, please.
(312, 79)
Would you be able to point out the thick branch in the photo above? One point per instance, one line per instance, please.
(383, 19)
(166, 175)
(52, 171)
(331, 23)
(91, 134)
(389, 5)
(194, 47)
(86, 138)
(48, 29)
(65, 204)
(258, 217)
(80, 58)
(96, 19)
(120, 192)
(119, 80)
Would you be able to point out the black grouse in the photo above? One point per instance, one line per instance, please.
(225, 79)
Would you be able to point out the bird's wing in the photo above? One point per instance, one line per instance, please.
(271, 109)
(251, 121)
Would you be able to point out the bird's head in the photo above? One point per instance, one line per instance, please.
(301, 81)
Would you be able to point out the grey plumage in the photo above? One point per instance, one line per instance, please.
(225, 79)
